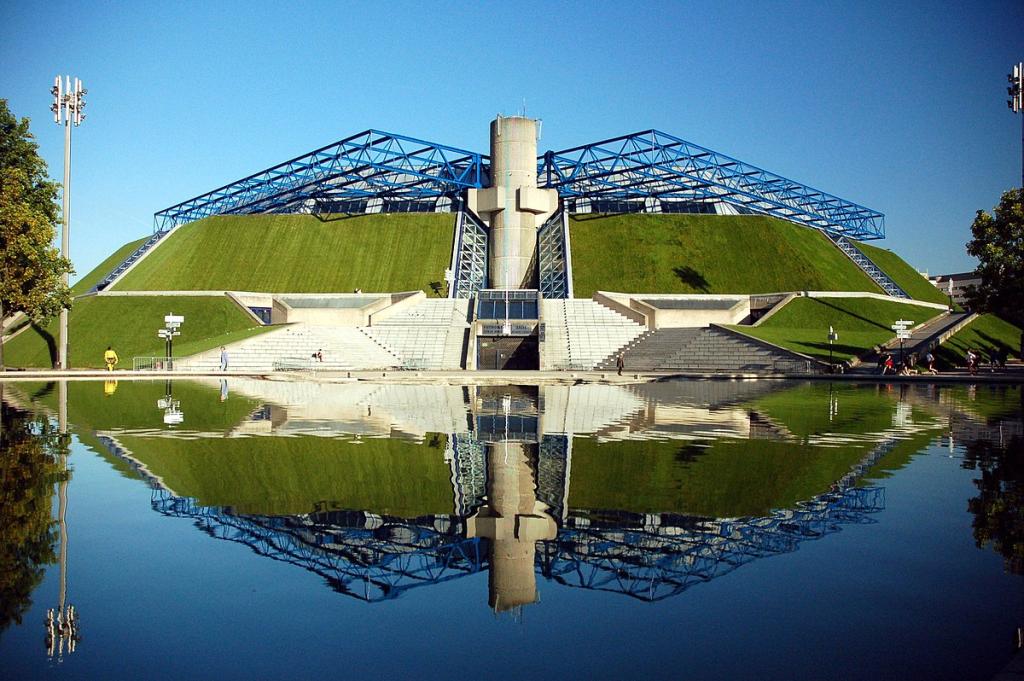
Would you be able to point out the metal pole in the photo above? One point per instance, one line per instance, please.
(65, 239)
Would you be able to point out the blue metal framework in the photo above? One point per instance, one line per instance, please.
(653, 164)
(469, 255)
(555, 259)
(642, 170)
(371, 164)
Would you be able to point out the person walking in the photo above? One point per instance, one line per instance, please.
(972, 362)
(888, 366)
(223, 358)
(110, 358)
(620, 362)
(929, 359)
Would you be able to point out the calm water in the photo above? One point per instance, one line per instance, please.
(761, 530)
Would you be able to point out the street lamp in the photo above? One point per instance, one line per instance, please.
(1016, 104)
(68, 102)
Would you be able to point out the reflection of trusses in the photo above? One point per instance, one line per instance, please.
(652, 164)
(369, 165)
(359, 554)
(655, 562)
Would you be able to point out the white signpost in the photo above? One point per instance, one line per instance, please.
(901, 327)
(832, 338)
(172, 322)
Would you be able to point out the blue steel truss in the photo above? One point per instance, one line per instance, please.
(653, 164)
(555, 259)
(369, 165)
(642, 169)
(469, 255)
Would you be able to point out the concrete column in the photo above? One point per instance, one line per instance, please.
(513, 206)
(513, 233)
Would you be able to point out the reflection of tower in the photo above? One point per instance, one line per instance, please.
(62, 623)
(512, 518)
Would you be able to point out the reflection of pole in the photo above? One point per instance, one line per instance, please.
(62, 625)
(62, 495)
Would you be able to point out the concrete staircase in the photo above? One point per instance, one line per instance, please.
(869, 267)
(345, 348)
(429, 335)
(127, 263)
(579, 333)
(706, 350)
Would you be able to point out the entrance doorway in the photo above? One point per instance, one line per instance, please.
(507, 352)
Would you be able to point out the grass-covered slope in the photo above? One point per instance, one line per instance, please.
(106, 267)
(985, 333)
(706, 254)
(861, 323)
(905, 276)
(129, 324)
(299, 254)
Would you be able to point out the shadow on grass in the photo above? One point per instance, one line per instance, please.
(994, 342)
(335, 217)
(821, 301)
(837, 349)
(691, 278)
(587, 217)
(51, 343)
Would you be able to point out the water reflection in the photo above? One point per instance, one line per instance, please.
(641, 490)
(33, 461)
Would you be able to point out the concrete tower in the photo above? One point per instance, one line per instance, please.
(513, 207)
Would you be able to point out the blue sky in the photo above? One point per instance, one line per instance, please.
(899, 107)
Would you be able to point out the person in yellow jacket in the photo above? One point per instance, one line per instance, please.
(110, 357)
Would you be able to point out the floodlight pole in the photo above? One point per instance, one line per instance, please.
(68, 102)
(1016, 104)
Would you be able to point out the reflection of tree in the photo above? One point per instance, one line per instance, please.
(31, 463)
(999, 508)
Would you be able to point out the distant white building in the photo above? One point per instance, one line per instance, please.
(956, 285)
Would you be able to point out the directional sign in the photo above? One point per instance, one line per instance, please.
(174, 319)
(903, 336)
(905, 322)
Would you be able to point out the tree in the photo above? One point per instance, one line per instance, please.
(30, 266)
(998, 244)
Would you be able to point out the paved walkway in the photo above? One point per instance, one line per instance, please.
(922, 337)
(1012, 374)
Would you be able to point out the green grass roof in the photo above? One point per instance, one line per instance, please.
(300, 254)
(706, 254)
(106, 267)
(905, 276)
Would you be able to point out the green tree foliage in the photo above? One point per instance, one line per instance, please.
(30, 466)
(30, 265)
(998, 244)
